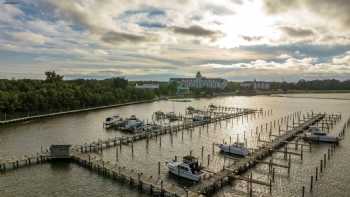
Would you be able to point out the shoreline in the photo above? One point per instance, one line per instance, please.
(268, 93)
(57, 114)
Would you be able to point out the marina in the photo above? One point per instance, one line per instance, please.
(184, 98)
(271, 138)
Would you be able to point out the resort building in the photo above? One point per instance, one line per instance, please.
(201, 82)
(256, 85)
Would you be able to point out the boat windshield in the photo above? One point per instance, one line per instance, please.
(319, 133)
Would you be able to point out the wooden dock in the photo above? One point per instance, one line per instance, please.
(228, 174)
(87, 156)
(153, 185)
(13, 164)
(186, 125)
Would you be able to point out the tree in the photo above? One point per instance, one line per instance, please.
(51, 76)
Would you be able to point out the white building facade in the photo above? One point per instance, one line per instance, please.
(201, 82)
(256, 85)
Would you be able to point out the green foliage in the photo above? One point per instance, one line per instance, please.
(328, 84)
(232, 86)
(51, 76)
(20, 97)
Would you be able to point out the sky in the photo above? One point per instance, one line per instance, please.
(239, 40)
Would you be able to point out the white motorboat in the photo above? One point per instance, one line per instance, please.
(235, 149)
(159, 115)
(317, 135)
(171, 116)
(151, 127)
(212, 106)
(112, 121)
(132, 124)
(189, 168)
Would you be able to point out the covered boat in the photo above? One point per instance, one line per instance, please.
(199, 118)
(171, 116)
(236, 149)
(317, 135)
(189, 168)
(114, 120)
(132, 124)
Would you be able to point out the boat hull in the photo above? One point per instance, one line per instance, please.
(322, 139)
(184, 174)
(238, 151)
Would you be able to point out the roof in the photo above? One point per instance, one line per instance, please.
(189, 159)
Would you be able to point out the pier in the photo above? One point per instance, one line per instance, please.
(215, 117)
(88, 155)
(230, 172)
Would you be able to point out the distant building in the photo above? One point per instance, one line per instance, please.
(201, 82)
(147, 86)
(182, 90)
(256, 85)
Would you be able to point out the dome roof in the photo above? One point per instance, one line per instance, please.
(198, 75)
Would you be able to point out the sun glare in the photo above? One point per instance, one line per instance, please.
(249, 23)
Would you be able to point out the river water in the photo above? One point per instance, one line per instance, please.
(71, 180)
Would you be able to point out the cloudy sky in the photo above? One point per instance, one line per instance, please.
(157, 39)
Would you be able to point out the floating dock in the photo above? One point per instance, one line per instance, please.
(87, 155)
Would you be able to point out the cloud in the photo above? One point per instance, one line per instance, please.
(290, 68)
(251, 38)
(297, 32)
(117, 37)
(219, 9)
(195, 30)
(335, 11)
(29, 37)
(8, 13)
(342, 59)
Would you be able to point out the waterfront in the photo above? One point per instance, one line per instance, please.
(28, 138)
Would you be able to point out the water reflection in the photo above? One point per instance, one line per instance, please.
(70, 180)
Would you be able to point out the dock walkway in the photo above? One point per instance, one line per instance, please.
(124, 140)
(229, 173)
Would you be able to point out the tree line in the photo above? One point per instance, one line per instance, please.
(30, 97)
(328, 84)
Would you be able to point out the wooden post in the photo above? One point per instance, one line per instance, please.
(289, 165)
(321, 166)
(311, 183)
(329, 154)
(316, 177)
(158, 168)
(120, 144)
(116, 154)
(202, 152)
(160, 141)
(302, 151)
(132, 148)
(303, 191)
(208, 159)
(251, 185)
(285, 152)
(213, 148)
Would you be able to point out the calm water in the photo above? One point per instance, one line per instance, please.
(71, 180)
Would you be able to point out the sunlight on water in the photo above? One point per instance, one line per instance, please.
(28, 138)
